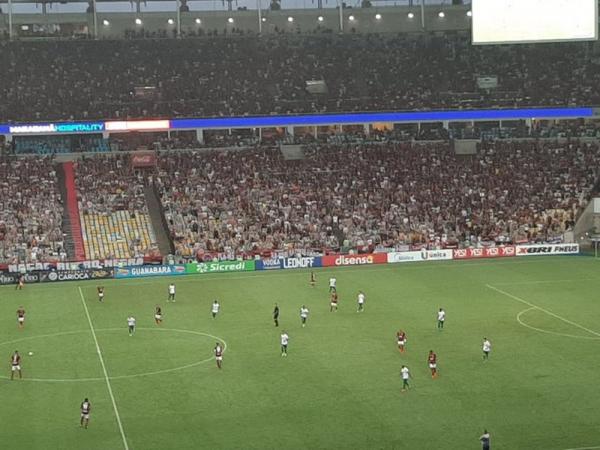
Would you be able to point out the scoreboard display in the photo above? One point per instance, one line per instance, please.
(526, 21)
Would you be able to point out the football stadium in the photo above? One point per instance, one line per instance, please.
(299, 225)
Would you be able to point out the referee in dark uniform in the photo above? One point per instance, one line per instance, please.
(276, 315)
(485, 440)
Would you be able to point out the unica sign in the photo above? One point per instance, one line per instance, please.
(219, 266)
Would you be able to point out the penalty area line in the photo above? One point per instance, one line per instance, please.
(106, 378)
(550, 313)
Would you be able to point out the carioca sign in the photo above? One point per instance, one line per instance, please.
(219, 266)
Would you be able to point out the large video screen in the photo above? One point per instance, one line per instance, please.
(515, 21)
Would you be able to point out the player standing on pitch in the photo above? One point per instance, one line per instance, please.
(485, 440)
(313, 279)
(441, 317)
(100, 293)
(276, 315)
(15, 365)
(171, 296)
(131, 325)
(20, 283)
(284, 343)
(219, 355)
(86, 408)
(304, 315)
(432, 361)
(404, 372)
(332, 284)
(21, 317)
(333, 304)
(158, 315)
(487, 348)
(361, 301)
(215, 309)
(401, 338)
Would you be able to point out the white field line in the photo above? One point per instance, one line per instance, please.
(584, 448)
(550, 313)
(110, 391)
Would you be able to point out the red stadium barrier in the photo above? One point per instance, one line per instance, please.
(486, 252)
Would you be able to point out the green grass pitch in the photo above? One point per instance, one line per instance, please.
(340, 385)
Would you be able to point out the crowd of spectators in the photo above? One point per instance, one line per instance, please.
(247, 202)
(31, 211)
(220, 76)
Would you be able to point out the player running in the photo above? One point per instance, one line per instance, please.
(276, 315)
(284, 343)
(215, 309)
(313, 279)
(441, 317)
(171, 296)
(432, 361)
(333, 304)
(20, 283)
(157, 315)
(487, 348)
(332, 284)
(219, 355)
(21, 317)
(404, 372)
(15, 363)
(100, 293)
(361, 301)
(131, 325)
(304, 315)
(401, 339)
(86, 408)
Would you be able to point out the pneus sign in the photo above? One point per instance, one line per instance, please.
(547, 249)
(219, 267)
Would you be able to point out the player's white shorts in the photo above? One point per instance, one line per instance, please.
(101, 295)
(432, 366)
(16, 368)
(401, 343)
(21, 319)
(219, 358)
(361, 303)
(157, 316)
(85, 416)
(334, 304)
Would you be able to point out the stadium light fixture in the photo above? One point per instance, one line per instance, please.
(469, 13)
(351, 18)
(378, 16)
(170, 21)
(138, 21)
(105, 23)
(410, 15)
(230, 20)
(198, 21)
(320, 19)
(441, 14)
(290, 19)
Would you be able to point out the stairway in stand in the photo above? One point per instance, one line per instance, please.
(71, 222)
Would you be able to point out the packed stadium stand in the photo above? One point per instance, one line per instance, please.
(362, 72)
(31, 211)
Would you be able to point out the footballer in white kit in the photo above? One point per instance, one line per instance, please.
(284, 343)
(86, 408)
(304, 315)
(404, 372)
(131, 325)
(171, 296)
(361, 301)
(215, 309)
(441, 317)
(332, 284)
(487, 348)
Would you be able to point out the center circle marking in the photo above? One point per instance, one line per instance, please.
(117, 377)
